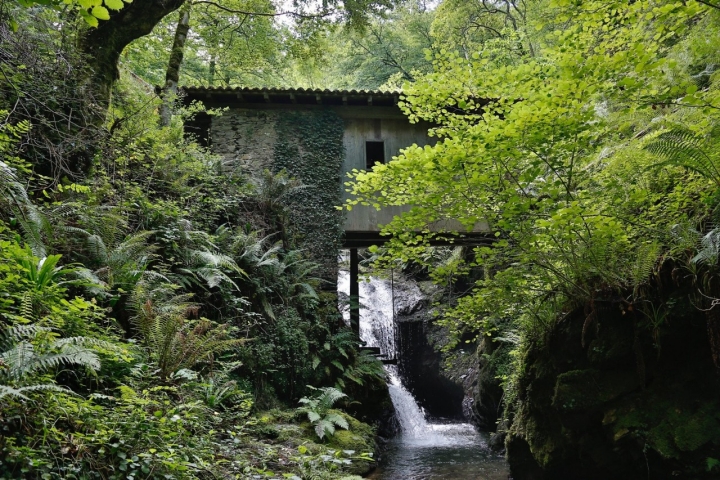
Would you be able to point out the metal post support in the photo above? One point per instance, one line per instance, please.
(354, 291)
(396, 337)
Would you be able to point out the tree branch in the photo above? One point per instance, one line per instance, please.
(711, 5)
(326, 13)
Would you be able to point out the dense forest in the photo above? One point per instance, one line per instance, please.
(165, 316)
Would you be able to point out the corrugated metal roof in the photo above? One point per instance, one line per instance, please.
(201, 89)
(302, 96)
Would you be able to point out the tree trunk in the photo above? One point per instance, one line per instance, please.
(172, 75)
(211, 71)
(103, 45)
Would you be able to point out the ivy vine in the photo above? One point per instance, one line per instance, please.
(310, 148)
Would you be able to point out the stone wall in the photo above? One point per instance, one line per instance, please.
(246, 139)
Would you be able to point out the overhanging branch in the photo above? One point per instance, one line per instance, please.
(265, 14)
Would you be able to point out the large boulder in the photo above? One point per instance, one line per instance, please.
(609, 394)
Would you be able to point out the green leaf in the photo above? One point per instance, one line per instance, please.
(100, 13)
(114, 4)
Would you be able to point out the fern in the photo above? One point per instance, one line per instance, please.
(14, 198)
(174, 341)
(21, 360)
(682, 148)
(24, 359)
(20, 392)
(645, 260)
(318, 410)
(209, 267)
(709, 249)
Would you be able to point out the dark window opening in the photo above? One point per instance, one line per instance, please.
(374, 152)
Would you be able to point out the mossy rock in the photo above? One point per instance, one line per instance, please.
(291, 433)
(672, 422)
(360, 437)
(612, 346)
(696, 432)
(588, 389)
(347, 440)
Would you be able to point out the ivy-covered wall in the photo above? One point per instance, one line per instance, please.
(308, 145)
(310, 148)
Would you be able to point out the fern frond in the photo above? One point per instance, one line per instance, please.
(682, 148)
(16, 333)
(324, 427)
(332, 395)
(645, 260)
(40, 388)
(709, 251)
(14, 392)
(338, 420)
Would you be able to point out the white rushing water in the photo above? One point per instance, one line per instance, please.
(377, 329)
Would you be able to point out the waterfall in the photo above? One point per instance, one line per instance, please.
(423, 450)
(377, 329)
(409, 414)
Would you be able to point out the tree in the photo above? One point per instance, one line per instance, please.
(466, 25)
(519, 145)
(172, 76)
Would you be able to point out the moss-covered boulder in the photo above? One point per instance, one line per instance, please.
(359, 439)
(618, 398)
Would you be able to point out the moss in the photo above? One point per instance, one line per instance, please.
(290, 433)
(576, 390)
(612, 345)
(359, 437)
(671, 421)
(587, 389)
(347, 440)
(699, 430)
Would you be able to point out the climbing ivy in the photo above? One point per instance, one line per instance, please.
(310, 148)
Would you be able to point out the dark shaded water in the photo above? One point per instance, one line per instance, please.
(450, 452)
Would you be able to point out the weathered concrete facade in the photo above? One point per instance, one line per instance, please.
(246, 135)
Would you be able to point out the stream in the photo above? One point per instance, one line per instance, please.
(423, 450)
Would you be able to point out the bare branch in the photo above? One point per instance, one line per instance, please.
(324, 14)
(709, 4)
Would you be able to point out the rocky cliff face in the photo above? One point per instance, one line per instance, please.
(631, 400)
(461, 384)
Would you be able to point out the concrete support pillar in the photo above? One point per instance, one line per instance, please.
(354, 291)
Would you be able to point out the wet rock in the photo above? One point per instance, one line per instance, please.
(626, 402)
(421, 367)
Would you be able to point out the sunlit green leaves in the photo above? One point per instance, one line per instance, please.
(90, 10)
(546, 149)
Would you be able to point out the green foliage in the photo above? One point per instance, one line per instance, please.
(310, 149)
(173, 341)
(90, 10)
(318, 410)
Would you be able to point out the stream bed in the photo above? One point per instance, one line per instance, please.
(449, 452)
